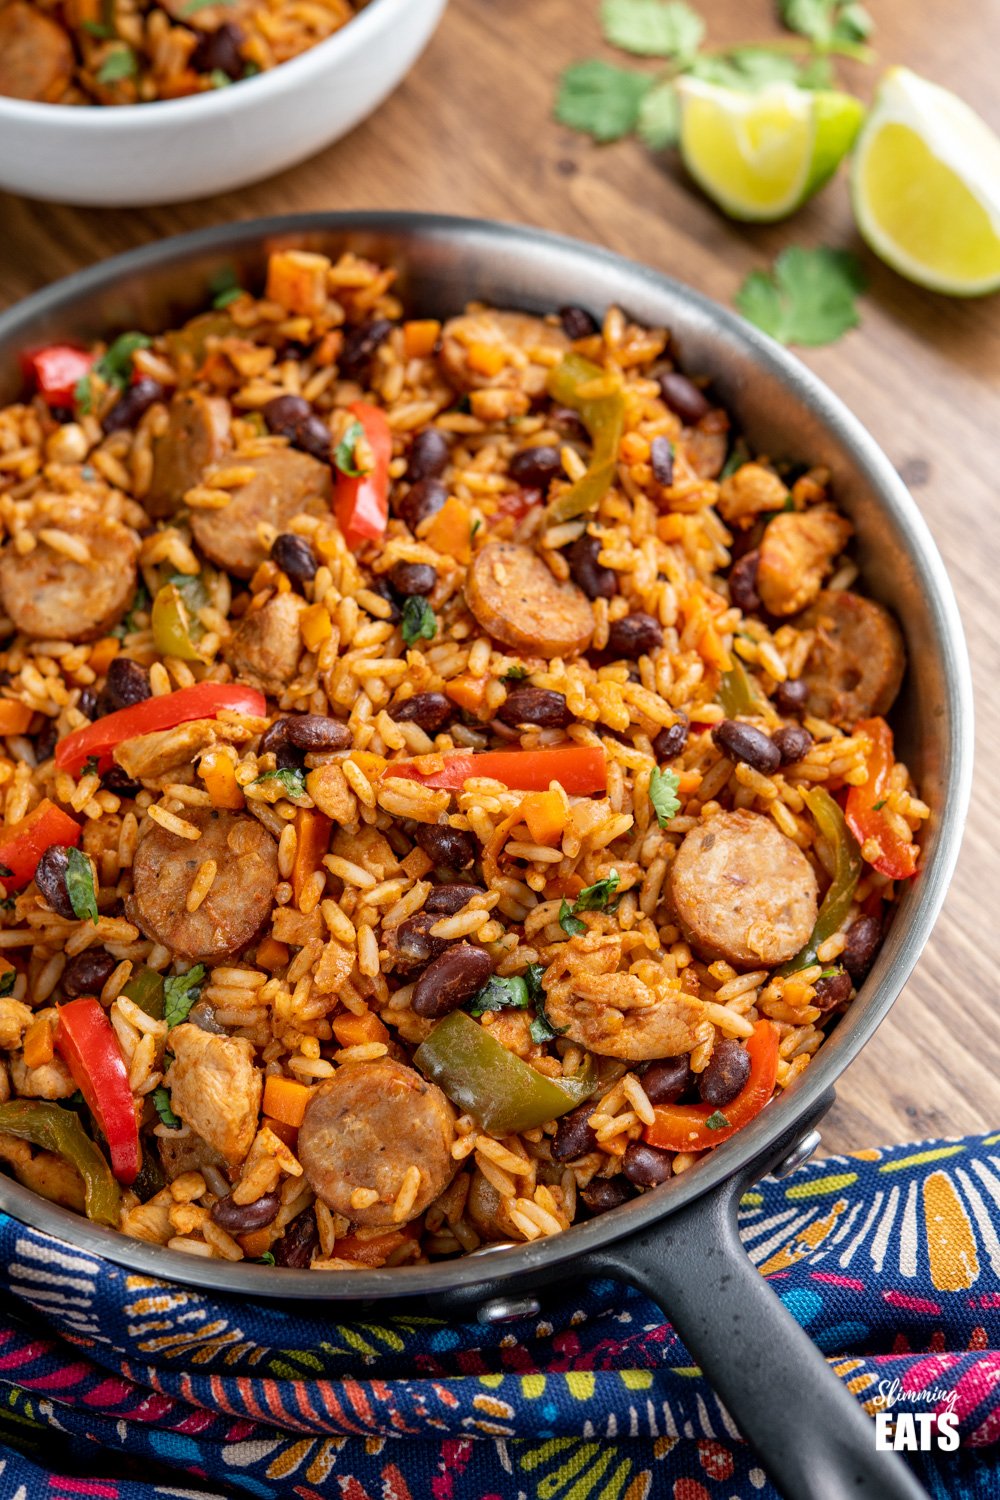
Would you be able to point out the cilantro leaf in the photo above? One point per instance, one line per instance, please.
(828, 23)
(101, 29)
(120, 63)
(659, 124)
(754, 67)
(267, 1259)
(717, 1121)
(180, 991)
(225, 286)
(601, 100)
(194, 6)
(541, 1029)
(140, 604)
(291, 778)
(808, 298)
(663, 795)
(5, 872)
(343, 454)
(91, 765)
(533, 979)
(7, 983)
(161, 1103)
(597, 896)
(653, 28)
(80, 885)
(516, 673)
(115, 364)
(571, 926)
(419, 620)
(501, 994)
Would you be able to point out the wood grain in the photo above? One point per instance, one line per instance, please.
(470, 132)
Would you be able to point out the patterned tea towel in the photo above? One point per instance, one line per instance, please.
(117, 1387)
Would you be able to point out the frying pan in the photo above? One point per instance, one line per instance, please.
(678, 1243)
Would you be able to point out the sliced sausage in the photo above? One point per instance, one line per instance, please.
(267, 644)
(488, 1213)
(49, 594)
(516, 336)
(186, 1153)
(286, 484)
(742, 891)
(518, 602)
(796, 554)
(215, 1087)
(857, 661)
(365, 1127)
(240, 898)
(36, 56)
(197, 437)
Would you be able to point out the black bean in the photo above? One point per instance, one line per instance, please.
(634, 636)
(574, 1137)
(535, 468)
(411, 945)
(661, 460)
(317, 732)
(274, 741)
(831, 990)
(428, 455)
(538, 706)
(295, 557)
(790, 697)
(50, 878)
(452, 847)
(300, 1239)
(450, 980)
(744, 742)
(219, 50)
(127, 683)
(429, 710)
(381, 587)
(423, 499)
(743, 582)
(646, 1166)
(87, 703)
(446, 900)
(285, 414)
(587, 573)
(726, 1075)
(118, 781)
(88, 972)
(605, 1193)
(133, 403)
(864, 939)
(241, 1218)
(670, 742)
(413, 578)
(667, 1080)
(202, 1014)
(46, 740)
(314, 438)
(577, 322)
(571, 423)
(683, 398)
(360, 345)
(793, 743)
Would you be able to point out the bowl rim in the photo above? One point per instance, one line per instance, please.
(192, 109)
(908, 935)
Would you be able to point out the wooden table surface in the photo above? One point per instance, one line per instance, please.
(470, 132)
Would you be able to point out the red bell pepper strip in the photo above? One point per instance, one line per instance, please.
(205, 700)
(56, 370)
(685, 1127)
(88, 1046)
(361, 501)
(579, 769)
(23, 844)
(898, 857)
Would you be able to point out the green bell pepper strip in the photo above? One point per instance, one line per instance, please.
(604, 419)
(145, 989)
(59, 1130)
(737, 693)
(483, 1079)
(176, 627)
(847, 872)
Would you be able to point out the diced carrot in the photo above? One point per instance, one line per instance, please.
(569, 886)
(217, 771)
(312, 830)
(297, 280)
(14, 717)
(357, 1031)
(366, 760)
(419, 337)
(634, 448)
(287, 1133)
(38, 1043)
(271, 954)
(256, 1242)
(103, 653)
(671, 527)
(316, 626)
(485, 359)
(450, 531)
(545, 815)
(468, 692)
(370, 1252)
(285, 1099)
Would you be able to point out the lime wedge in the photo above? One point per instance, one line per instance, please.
(926, 187)
(760, 155)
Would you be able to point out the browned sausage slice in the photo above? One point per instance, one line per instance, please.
(240, 898)
(523, 348)
(267, 644)
(742, 891)
(197, 436)
(286, 484)
(365, 1127)
(857, 661)
(36, 56)
(518, 602)
(49, 594)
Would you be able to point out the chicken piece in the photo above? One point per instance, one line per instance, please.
(749, 492)
(509, 350)
(15, 1018)
(265, 649)
(153, 756)
(51, 1081)
(44, 1172)
(36, 55)
(796, 554)
(215, 1088)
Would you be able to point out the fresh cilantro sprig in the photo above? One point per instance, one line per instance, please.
(7, 983)
(225, 285)
(717, 1121)
(510, 993)
(180, 991)
(121, 62)
(114, 367)
(161, 1103)
(809, 297)
(345, 456)
(828, 23)
(419, 620)
(80, 885)
(596, 897)
(292, 779)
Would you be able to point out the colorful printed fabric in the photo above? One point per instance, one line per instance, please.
(116, 1386)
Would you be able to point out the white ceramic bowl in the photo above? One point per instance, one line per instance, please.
(130, 155)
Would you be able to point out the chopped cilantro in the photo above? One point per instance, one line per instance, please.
(653, 28)
(291, 778)
(878, 806)
(533, 979)
(597, 896)
(663, 795)
(809, 298)
(120, 63)
(219, 79)
(571, 926)
(501, 994)
(267, 1259)
(100, 29)
(516, 673)
(225, 287)
(180, 991)
(5, 873)
(738, 456)
(91, 765)
(419, 620)
(194, 6)
(7, 983)
(344, 455)
(80, 885)
(140, 604)
(717, 1121)
(114, 366)
(161, 1103)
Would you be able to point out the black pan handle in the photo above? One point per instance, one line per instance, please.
(809, 1432)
